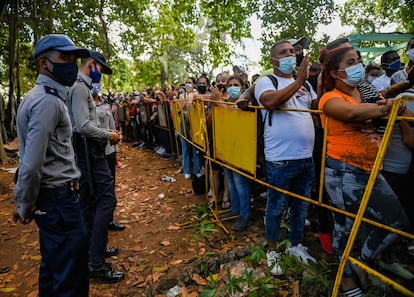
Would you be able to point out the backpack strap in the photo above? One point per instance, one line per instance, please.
(275, 84)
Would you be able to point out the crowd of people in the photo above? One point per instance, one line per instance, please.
(72, 129)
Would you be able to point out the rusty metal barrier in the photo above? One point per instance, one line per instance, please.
(245, 170)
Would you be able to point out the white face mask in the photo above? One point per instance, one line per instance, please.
(410, 54)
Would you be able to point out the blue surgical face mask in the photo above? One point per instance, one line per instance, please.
(410, 54)
(396, 65)
(188, 86)
(287, 64)
(354, 74)
(234, 92)
(96, 88)
(95, 75)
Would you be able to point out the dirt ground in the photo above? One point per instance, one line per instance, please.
(156, 248)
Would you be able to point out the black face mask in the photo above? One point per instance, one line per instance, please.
(64, 73)
(221, 87)
(313, 80)
(202, 89)
(299, 59)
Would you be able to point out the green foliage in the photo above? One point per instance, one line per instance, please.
(258, 254)
(370, 15)
(284, 19)
(203, 231)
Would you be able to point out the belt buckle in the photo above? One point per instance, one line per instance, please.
(73, 186)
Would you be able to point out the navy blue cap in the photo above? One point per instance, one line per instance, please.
(59, 42)
(99, 58)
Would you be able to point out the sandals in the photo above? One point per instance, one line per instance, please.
(226, 203)
(355, 292)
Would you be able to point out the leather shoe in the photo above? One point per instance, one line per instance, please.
(106, 274)
(111, 251)
(115, 226)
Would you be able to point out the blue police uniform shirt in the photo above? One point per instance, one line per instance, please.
(47, 159)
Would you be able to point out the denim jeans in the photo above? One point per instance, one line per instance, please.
(345, 185)
(63, 242)
(189, 152)
(239, 188)
(297, 177)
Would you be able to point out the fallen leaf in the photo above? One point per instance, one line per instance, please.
(177, 262)
(36, 258)
(160, 268)
(7, 290)
(165, 243)
(172, 227)
(199, 280)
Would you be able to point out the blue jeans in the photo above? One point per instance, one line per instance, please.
(239, 188)
(188, 153)
(345, 185)
(297, 177)
(63, 244)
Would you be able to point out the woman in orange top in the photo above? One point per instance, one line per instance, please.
(352, 147)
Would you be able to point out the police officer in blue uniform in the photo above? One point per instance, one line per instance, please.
(47, 178)
(96, 183)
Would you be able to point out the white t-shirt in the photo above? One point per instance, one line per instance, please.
(291, 135)
(381, 83)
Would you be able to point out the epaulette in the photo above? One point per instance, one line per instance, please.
(52, 91)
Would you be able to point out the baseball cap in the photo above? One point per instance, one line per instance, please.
(59, 42)
(98, 57)
(303, 41)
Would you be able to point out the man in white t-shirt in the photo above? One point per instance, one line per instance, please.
(288, 145)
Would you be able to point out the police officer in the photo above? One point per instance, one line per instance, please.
(46, 186)
(96, 183)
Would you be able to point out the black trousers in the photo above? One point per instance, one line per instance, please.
(98, 208)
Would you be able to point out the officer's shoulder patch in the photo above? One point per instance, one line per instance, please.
(51, 91)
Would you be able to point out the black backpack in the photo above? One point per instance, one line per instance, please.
(260, 157)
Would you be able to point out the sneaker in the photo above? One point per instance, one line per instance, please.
(410, 248)
(187, 176)
(166, 157)
(300, 252)
(228, 214)
(272, 258)
(326, 242)
(240, 225)
(161, 151)
(397, 269)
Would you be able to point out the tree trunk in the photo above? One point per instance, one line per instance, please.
(106, 45)
(11, 111)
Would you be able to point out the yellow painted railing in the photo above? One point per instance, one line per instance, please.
(234, 147)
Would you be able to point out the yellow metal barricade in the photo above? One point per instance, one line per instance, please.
(234, 147)
(234, 132)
